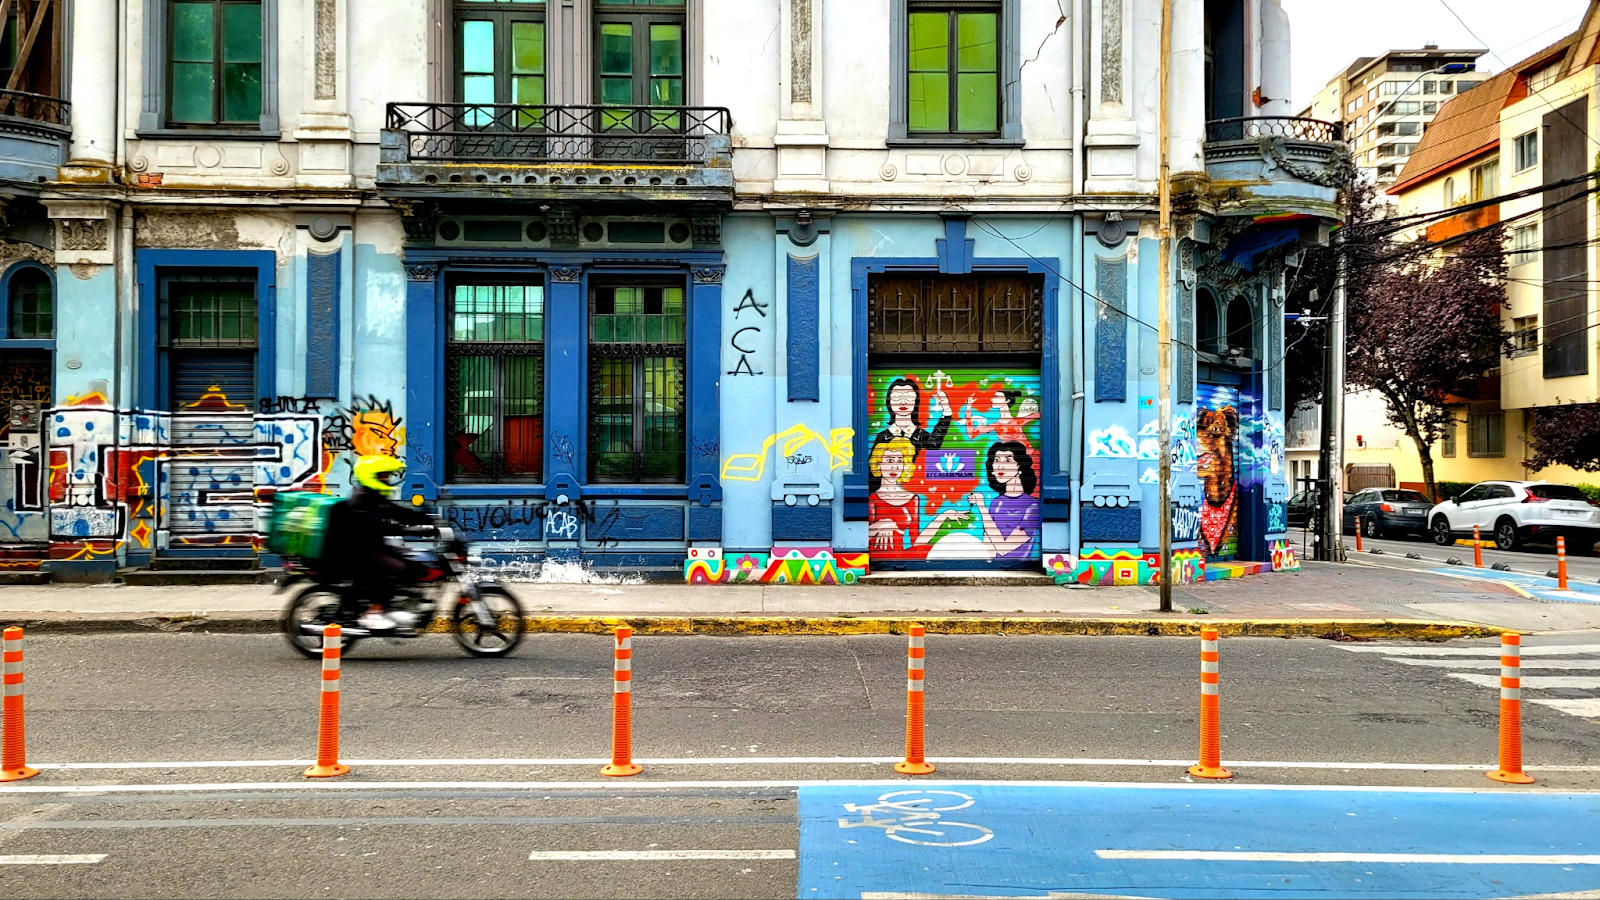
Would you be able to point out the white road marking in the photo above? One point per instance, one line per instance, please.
(226, 787)
(1585, 706)
(1581, 665)
(51, 859)
(1534, 681)
(1480, 859)
(648, 855)
(803, 760)
(1479, 650)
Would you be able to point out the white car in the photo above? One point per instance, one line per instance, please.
(1512, 512)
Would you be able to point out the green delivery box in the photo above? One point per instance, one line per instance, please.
(299, 522)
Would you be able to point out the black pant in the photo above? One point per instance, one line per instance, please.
(374, 581)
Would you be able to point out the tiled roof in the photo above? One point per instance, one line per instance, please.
(1469, 123)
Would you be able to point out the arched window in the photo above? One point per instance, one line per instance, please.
(32, 305)
(1241, 331)
(1449, 192)
(1205, 317)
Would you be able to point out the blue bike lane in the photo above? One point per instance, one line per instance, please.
(935, 839)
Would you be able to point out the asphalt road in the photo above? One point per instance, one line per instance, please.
(1527, 561)
(171, 768)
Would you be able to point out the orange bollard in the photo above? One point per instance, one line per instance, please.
(328, 764)
(1477, 548)
(914, 763)
(1358, 534)
(622, 707)
(1510, 770)
(1561, 563)
(1210, 714)
(13, 743)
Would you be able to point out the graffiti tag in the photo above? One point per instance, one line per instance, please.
(743, 367)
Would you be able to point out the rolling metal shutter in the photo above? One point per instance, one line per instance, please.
(212, 460)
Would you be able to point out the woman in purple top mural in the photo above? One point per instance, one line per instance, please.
(1011, 520)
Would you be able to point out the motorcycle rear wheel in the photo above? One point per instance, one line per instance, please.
(510, 624)
(317, 604)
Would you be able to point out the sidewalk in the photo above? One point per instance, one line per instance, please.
(1324, 597)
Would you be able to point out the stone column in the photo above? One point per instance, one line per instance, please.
(1112, 138)
(802, 136)
(324, 132)
(1187, 100)
(93, 151)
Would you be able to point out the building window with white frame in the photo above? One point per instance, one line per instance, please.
(1524, 335)
(1524, 244)
(1526, 151)
(1486, 180)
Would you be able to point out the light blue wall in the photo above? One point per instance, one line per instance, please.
(749, 402)
(86, 331)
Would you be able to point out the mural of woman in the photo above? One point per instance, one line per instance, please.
(1014, 413)
(894, 512)
(1011, 520)
(903, 400)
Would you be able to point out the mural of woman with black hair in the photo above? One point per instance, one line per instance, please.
(1011, 519)
(903, 400)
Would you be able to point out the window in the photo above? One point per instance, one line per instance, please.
(1544, 77)
(1556, 492)
(1527, 151)
(957, 314)
(1386, 171)
(639, 54)
(1486, 434)
(1429, 87)
(214, 53)
(1475, 493)
(500, 56)
(1446, 87)
(1430, 107)
(494, 383)
(201, 309)
(1407, 127)
(1406, 108)
(1463, 86)
(1524, 244)
(32, 306)
(953, 69)
(1450, 197)
(636, 383)
(1524, 335)
(1391, 88)
(1486, 181)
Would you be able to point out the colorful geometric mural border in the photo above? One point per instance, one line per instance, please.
(784, 565)
(1123, 567)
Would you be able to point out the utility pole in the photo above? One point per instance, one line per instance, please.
(1164, 309)
(1330, 536)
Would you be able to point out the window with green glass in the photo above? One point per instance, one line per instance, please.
(953, 68)
(204, 308)
(636, 383)
(494, 383)
(639, 61)
(500, 57)
(32, 305)
(214, 49)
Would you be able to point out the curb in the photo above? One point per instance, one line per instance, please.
(724, 626)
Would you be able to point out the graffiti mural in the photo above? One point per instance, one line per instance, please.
(1132, 567)
(791, 442)
(784, 565)
(954, 467)
(1217, 446)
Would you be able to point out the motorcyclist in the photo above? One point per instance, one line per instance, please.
(356, 543)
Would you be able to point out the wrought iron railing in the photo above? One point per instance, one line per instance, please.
(37, 107)
(512, 133)
(1252, 127)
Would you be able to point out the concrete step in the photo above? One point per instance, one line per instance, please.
(28, 576)
(169, 577)
(958, 578)
(204, 563)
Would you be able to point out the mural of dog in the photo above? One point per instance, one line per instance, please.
(1217, 433)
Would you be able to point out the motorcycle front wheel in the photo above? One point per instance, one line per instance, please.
(497, 637)
(317, 606)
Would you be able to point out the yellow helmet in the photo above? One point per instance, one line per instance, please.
(380, 473)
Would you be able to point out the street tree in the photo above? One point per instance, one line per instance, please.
(1566, 435)
(1424, 327)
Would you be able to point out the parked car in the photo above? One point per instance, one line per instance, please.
(1302, 508)
(1386, 511)
(1514, 512)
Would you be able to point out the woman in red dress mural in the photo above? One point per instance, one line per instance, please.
(896, 528)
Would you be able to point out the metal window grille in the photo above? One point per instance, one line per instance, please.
(637, 429)
(208, 308)
(953, 314)
(32, 306)
(494, 383)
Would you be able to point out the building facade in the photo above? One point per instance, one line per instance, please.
(1531, 126)
(712, 289)
(1387, 102)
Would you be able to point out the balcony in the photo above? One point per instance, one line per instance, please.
(34, 130)
(1276, 166)
(510, 151)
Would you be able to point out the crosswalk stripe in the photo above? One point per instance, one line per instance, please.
(51, 859)
(1534, 681)
(1477, 650)
(1588, 707)
(1494, 665)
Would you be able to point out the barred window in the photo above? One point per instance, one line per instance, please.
(494, 373)
(208, 308)
(636, 383)
(953, 314)
(32, 306)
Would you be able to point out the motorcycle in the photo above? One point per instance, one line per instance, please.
(486, 619)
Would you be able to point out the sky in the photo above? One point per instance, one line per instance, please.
(1328, 35)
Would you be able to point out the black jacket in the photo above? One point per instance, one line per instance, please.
(357, 528)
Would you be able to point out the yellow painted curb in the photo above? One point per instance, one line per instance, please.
(1392, 629)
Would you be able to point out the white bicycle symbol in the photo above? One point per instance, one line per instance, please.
(903, 813)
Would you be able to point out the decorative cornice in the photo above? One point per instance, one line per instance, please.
(565, 273)
(83, 234)
(422, 271)
(708, 274)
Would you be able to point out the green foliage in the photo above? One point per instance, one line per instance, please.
(1448, 489)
